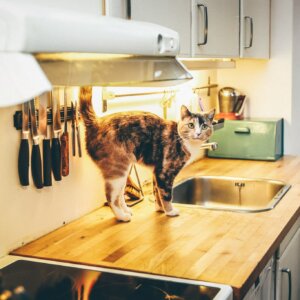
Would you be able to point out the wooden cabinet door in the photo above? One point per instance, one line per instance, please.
(174, 14)
(289, 262)
(255, 29)
(215, 28)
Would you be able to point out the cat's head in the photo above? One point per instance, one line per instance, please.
(195, 127)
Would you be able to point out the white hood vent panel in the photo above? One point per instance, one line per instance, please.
(55, 36)
(33, 29)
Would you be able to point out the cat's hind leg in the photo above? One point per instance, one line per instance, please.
(158, 201)
(114, 189)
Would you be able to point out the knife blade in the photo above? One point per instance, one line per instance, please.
(56, 124)
(77, 129)
(73, 129)
(23, 158)
(36, 164)
(44, 100)
(64, 139)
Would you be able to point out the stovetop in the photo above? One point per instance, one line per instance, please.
(29, 280)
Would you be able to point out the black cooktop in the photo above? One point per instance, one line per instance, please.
(27, 280)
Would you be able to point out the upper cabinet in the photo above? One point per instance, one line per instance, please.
(255, 29)
(207, 28)
(215, 28)
(175, 14)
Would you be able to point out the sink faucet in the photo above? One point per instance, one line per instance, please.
(211, 146)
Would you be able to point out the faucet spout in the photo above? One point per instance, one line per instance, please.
(210, 146)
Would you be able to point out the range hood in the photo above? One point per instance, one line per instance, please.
(41, 47)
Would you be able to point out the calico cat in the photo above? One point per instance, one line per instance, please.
(116, 141)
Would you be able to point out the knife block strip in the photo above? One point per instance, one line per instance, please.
(18, 117)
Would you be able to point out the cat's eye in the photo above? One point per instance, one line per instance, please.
(191, 125)
(204, 126)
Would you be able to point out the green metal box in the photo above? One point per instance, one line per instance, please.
(258, 139)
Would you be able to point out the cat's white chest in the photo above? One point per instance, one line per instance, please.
(195, 151)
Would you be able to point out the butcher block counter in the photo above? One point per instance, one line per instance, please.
(215, 246)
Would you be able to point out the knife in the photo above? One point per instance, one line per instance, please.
(73, 129)
(23, 159)
(43, 104)
(77, 129)
(36, 163)
(64, 139)
(55, 150)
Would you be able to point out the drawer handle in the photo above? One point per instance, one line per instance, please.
(289, 273)
(242, 130)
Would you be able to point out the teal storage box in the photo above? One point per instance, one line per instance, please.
(258, 139)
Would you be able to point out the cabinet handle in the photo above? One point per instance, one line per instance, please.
(251, 31)
(205, 24)
(243, 130)
(128, 9)
(289, 273)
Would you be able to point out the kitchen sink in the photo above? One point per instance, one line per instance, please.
(230, 193)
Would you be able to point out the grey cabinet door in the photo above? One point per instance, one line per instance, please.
(289, 262)
(255, 29)
(174, 14)
(215, 28)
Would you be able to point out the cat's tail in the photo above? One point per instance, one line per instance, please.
(86, 107)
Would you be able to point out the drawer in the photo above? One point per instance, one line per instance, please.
(259, 139)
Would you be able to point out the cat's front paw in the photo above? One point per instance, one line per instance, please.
(173, 213)
(126, 217)
(128, 210)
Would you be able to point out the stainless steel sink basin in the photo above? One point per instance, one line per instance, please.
(230, 193)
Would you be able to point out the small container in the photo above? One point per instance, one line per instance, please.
(227, 99)
(257, 139)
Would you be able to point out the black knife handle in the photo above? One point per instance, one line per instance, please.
(78, 142)
(73, 141)
(56, 159)
(23, 162)
(47, 162)
(36, 166)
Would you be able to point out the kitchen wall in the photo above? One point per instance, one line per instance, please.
(27, 213)
(273, 89)
(294, 143)
(273, 85)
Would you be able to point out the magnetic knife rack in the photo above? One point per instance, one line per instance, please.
(18, 117)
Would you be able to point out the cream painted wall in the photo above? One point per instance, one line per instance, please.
(269, 83)
(295, 144)
(27, 213)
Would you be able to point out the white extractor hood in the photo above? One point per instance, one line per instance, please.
(41, 47)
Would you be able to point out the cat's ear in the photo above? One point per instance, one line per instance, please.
(210, 115)
(184, 112)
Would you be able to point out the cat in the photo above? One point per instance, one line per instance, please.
(116, 141)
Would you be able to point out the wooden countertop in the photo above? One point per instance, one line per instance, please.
(215, 246)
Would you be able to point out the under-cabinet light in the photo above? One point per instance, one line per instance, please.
(207, 63)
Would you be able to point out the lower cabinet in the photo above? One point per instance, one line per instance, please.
(280, 279)
(264, 286)
(288, 270)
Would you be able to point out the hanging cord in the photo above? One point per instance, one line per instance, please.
(166, 102)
